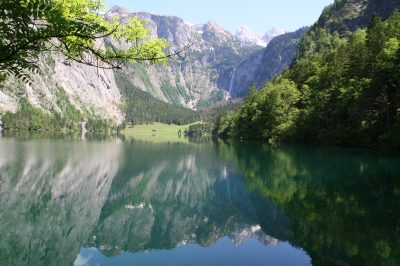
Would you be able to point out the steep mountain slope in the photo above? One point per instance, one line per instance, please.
(91, 91)
(204, 76)
(341, 90)
(343, 17)
(266, 63)
(346, 16)
(217, 66)
(272, 33)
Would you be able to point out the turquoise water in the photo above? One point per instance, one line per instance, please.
(69, 199)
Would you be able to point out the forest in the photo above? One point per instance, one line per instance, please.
(141, 107)
(338, 91)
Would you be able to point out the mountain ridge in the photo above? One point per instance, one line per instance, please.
(217, 67)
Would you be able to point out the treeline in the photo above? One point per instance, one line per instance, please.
(103, 125)
(142, 108)
(199, 129)
(31, 118)
(347, 93)
(210, 112)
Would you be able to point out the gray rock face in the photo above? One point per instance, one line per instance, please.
(92, 91)
(218, 63)
(205, 74)
(248, 37)
(217, 66)
(272, 33)
(351, 15)
(277, 56)
(263, 65)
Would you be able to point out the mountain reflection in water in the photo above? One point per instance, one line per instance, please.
(107, 200)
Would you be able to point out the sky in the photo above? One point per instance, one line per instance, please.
(259, 15)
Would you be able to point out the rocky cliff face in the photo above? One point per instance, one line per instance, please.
(204, 76)
(348, 16)
(217, 66)
(263, 65)
(92, 91)
(247, 36)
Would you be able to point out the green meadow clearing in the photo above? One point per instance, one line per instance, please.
(157, 132)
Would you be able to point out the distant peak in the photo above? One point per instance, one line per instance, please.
(118, 10)
(244, 27)
(215, 25)
(248, 37)
(272, 33)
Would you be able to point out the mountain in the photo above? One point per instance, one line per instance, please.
(60, 85)
(203, 77)
(277, 56)
(248, 37)
(262, 66)
(348, 16)
(272, 33)
(217, 66)
(343, 18)
(340, 89)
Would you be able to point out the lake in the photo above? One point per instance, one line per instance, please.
(73, 199)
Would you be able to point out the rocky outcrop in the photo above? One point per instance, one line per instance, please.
(348, 16)
(205, 74)
(90, 90)
(263, 65)
(277, 56)
(272, 33)
(248, 37)
(217, 66)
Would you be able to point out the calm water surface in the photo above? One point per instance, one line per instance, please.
(109, 200)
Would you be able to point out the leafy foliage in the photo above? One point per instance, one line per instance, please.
(72, 28)
(199, 129)
(343, 92)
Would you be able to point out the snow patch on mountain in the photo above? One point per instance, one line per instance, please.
(272, 33)
(248, 37)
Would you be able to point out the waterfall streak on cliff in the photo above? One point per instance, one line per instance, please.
(231, 84)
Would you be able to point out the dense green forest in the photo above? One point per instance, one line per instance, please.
(338, 91)
(141, 107)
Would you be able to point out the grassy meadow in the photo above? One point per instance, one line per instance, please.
(156, 132)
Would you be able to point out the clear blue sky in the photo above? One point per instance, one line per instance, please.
(259, 15)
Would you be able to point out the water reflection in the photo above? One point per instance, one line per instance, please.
(343, 204)
(51, 195)
(108, 200)
(168, 195)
